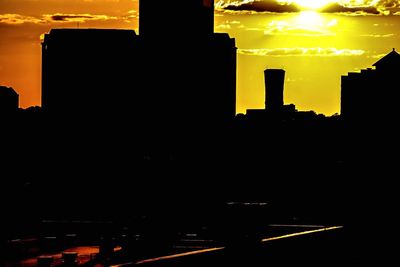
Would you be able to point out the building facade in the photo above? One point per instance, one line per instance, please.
(370, 94)
(88, 70)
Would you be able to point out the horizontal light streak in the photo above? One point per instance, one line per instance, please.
(301, 233)
(196, 252)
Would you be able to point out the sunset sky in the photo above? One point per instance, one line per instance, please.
(314, 41)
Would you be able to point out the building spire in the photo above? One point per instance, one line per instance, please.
(394, 49)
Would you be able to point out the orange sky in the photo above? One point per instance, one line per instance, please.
(314, 48)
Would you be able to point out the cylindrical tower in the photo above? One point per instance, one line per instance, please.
(274, 83)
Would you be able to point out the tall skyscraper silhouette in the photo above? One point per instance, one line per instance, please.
(186, 19)
(197, 78)
(274, 84)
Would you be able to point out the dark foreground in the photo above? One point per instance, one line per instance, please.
(229, 234)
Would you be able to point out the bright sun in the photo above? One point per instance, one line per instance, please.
(312, 4)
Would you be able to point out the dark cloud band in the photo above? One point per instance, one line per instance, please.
(263, 6)
(380, 7)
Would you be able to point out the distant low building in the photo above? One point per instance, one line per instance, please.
(371, 94)
(9, 100)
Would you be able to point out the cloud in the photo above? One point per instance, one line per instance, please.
(282, 27)
(388, 3)
(301, 51)
(16, 19)
(76, 17)
(228, 24)
(379, 56)
(299, 32)
(221, 4)
(132, 15)
(337, 8)
(250, 6)
(378, 35)
(223, 27)
(357, 7)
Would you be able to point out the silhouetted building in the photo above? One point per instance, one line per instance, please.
(274, 104)
(89, 70)
(274, 83)
(371, 93)
(190, 70)
(177, 71)
(9, 100)
(184, 19)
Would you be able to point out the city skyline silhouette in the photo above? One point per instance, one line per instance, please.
(161, 130)
(262, 41)
(125, 162)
